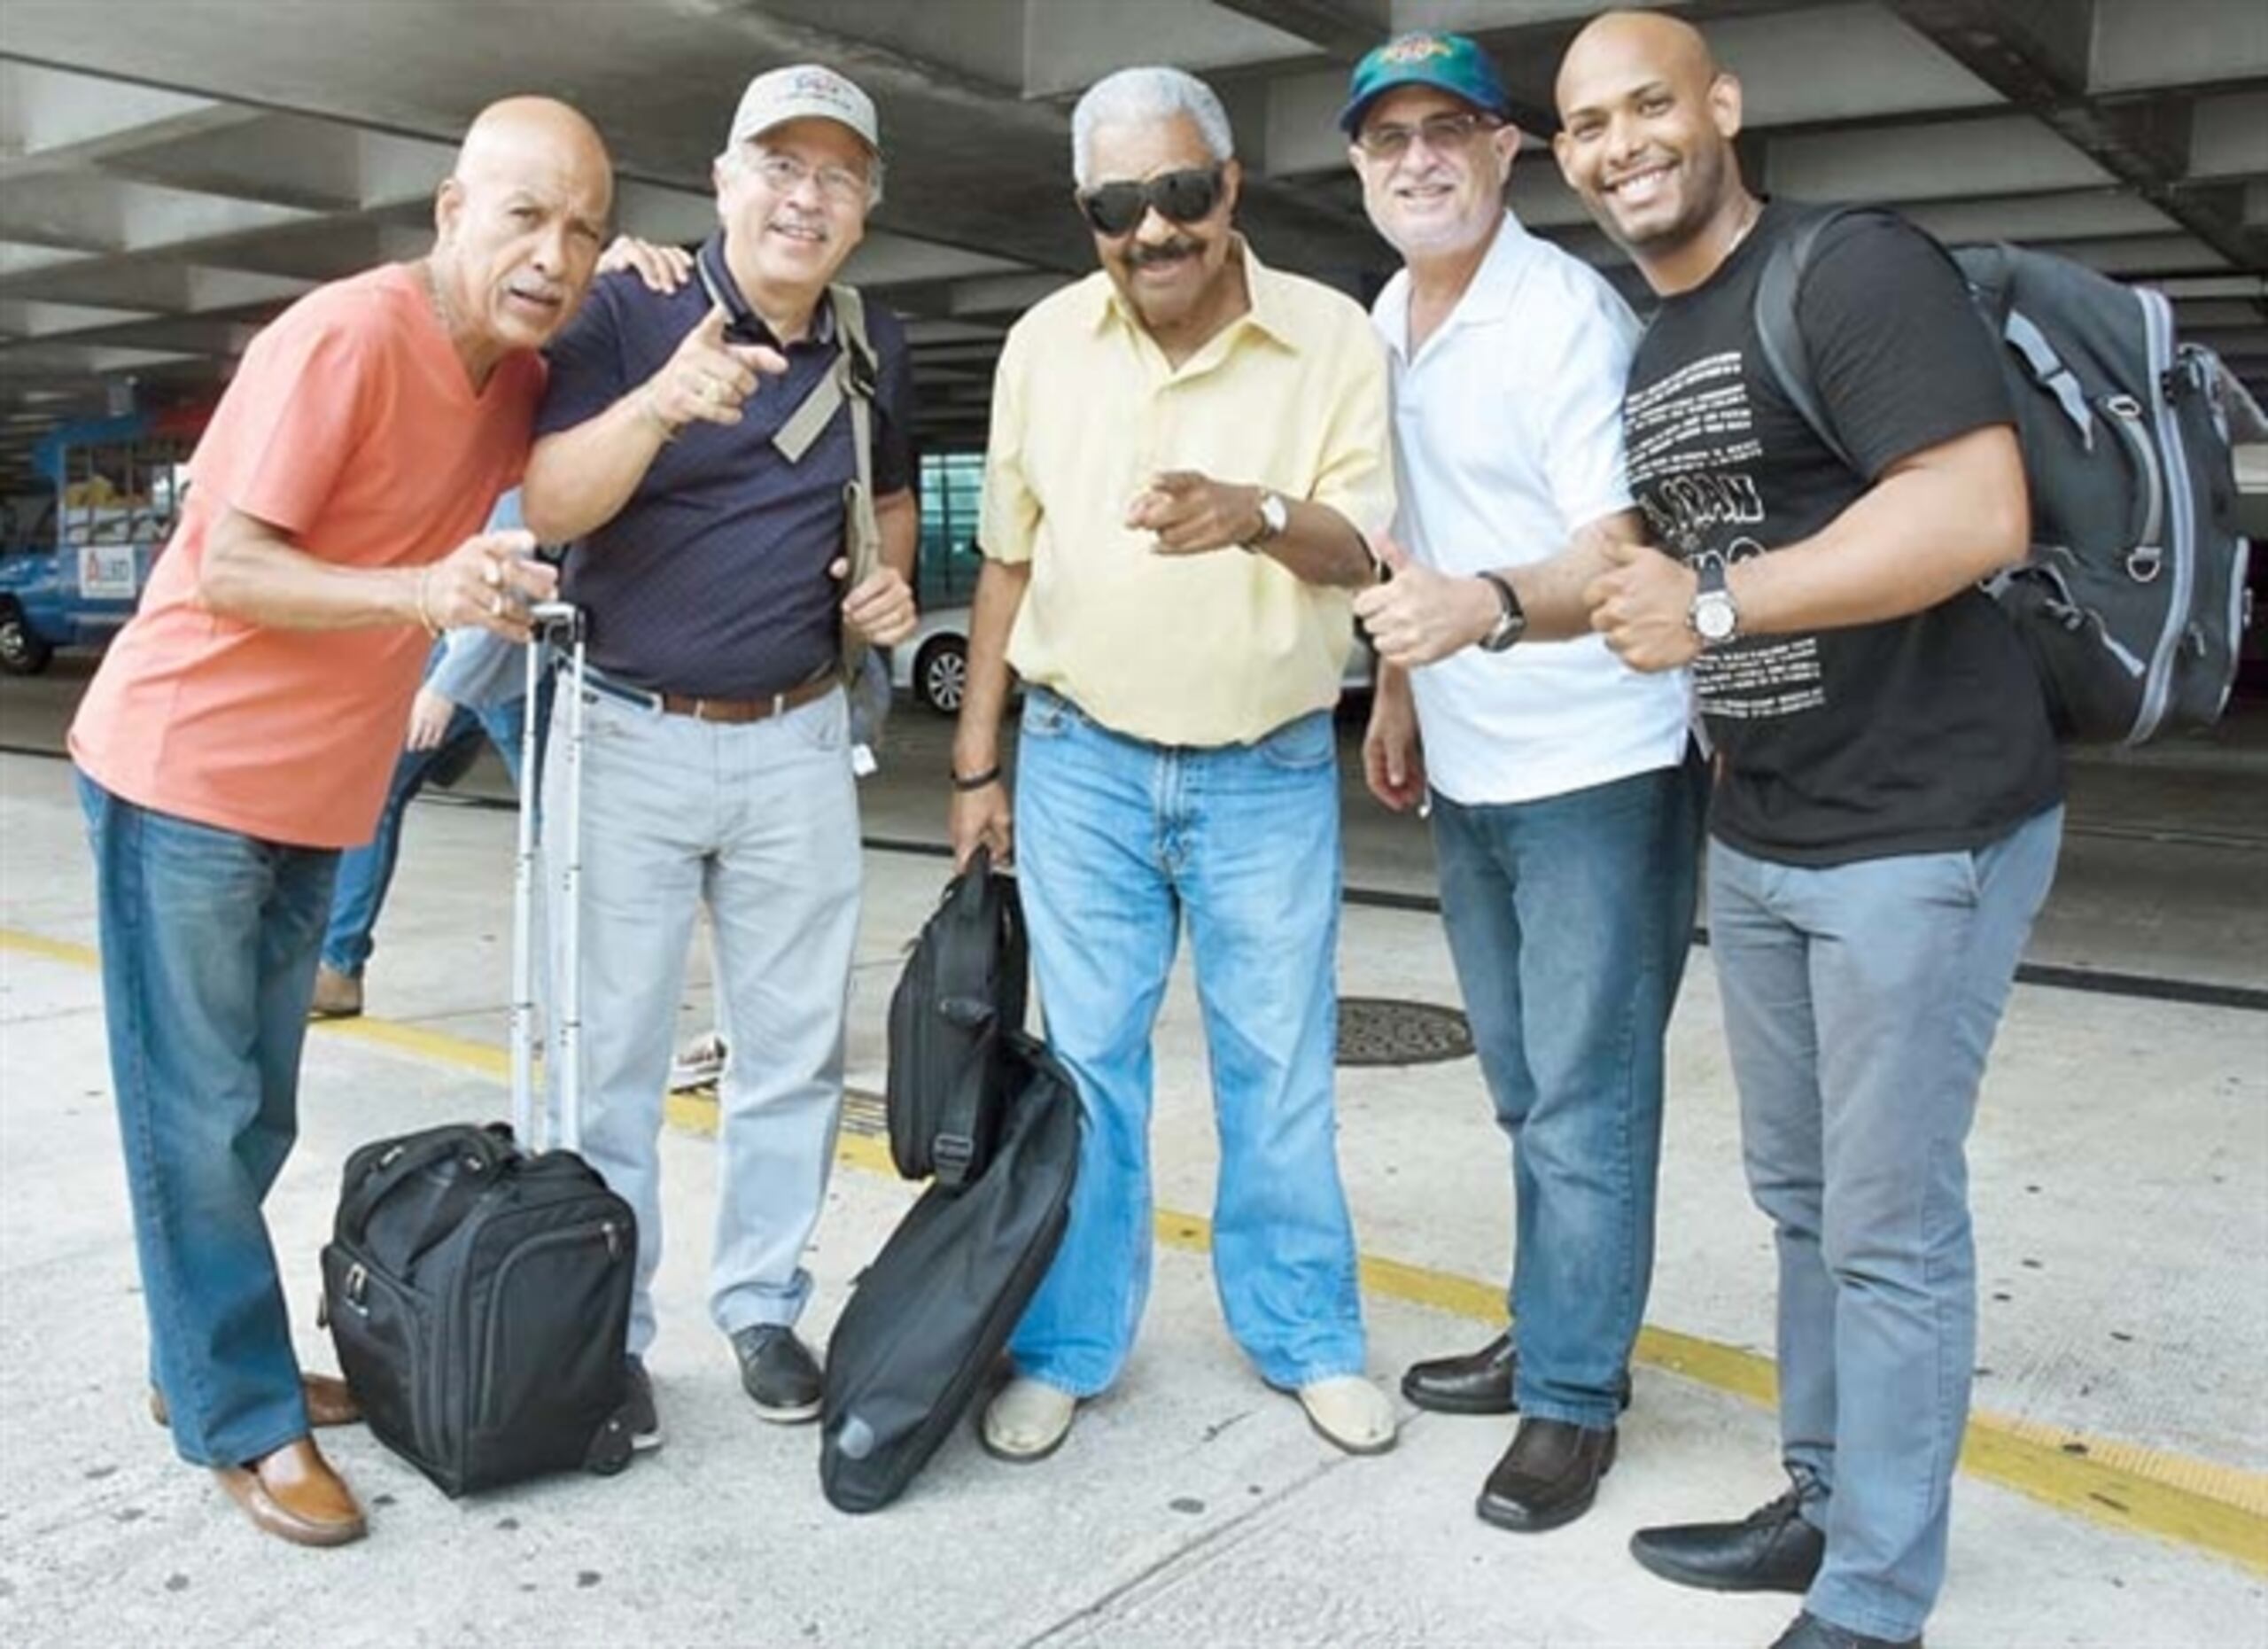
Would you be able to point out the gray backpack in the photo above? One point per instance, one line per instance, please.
(2133, 603)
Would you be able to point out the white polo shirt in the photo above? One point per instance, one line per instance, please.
(1507, 437)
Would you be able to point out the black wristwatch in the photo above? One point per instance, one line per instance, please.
(1511, 617)
(1714, 616)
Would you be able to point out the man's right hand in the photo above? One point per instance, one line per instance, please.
(489, 580)
(707, 379)
(984, 817)
(1394, 760)
(430, 713)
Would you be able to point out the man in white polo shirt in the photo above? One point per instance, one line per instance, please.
(1566, 814)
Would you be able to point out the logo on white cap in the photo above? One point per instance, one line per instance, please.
(807, 91)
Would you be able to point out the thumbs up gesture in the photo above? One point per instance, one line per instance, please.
(707, 378)
(1417, 615)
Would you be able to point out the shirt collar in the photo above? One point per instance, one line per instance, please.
(746, 325)
(1488, 298)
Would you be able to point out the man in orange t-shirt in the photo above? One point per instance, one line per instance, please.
(243, 729)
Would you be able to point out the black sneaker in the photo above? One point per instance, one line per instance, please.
(637, 1413)
(1808, 1631)
(778, 1372)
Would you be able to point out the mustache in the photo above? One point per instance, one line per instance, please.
(1168, 252)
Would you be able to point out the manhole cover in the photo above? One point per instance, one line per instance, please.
(1378, 1031)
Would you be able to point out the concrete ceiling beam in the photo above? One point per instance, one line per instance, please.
(2228, 136)
(2147, 44)
(1953, 159)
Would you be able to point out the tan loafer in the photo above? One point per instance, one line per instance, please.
(337, 995)
(1350, 1414)
(1027, 1421)
(293, 1495)
(328, 1402)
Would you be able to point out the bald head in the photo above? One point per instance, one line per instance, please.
(1647, 119)
(1647, 42)
(519, 224)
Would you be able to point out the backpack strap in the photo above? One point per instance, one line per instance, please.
(853, 378)
(1781, 333)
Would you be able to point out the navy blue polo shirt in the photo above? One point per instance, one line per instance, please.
(712, 579)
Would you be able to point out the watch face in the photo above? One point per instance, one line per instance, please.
(1714, 616)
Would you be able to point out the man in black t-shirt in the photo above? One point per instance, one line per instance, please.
(1887, 811)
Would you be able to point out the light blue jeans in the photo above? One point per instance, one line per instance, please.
(209, 955)
(1118, 840)
(759, 821)
(1861, 1002)
(1569, 919)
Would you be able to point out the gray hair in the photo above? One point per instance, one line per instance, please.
(1146, 94)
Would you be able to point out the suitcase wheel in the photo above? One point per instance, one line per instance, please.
(610, 1450)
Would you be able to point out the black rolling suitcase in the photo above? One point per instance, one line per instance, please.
(933, 1311)
(479, 1288)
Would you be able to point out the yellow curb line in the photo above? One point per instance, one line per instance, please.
(2200, 1504)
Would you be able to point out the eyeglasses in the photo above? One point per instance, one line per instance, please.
(1444, 134)
(784, 174)
(1116, 208)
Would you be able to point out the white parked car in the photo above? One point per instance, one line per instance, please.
(933, 662)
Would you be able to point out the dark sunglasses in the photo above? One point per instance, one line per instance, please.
(1179, 197)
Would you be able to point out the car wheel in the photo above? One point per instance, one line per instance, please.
(22, 650)
(941, 674)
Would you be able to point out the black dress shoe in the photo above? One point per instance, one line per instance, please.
(1480, 1383)
(1810, 1632)
(1548, 1477)
(1772, 1549)
(779, 1374)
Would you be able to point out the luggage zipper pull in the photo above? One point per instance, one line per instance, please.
(357, 1280)
(613, 1240)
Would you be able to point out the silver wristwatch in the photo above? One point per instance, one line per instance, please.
(1275, 518)
(1714, 616)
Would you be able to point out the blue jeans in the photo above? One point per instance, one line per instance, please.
(1861, 1002)
(208, 956)
(365, 873)
(1569, 919)
(1117, 841)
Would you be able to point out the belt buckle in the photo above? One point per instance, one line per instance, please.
(700, 709)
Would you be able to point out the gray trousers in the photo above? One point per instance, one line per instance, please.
(759, 821)
(1861, 1002)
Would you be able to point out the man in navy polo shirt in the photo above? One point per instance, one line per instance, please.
(712, 569)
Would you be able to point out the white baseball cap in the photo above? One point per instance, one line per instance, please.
(804, 92)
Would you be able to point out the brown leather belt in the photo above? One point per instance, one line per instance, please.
(739, 710)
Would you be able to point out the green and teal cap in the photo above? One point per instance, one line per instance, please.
(1449, 62)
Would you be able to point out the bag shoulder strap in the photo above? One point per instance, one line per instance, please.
(1780, 332)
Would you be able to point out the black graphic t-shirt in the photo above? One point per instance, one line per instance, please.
(1927, 733)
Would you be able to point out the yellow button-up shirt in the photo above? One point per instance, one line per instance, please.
(1200, 650)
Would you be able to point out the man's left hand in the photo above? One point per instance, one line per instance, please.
(1194, 515)
(1643, 607)
(663, 269)
(882, 609)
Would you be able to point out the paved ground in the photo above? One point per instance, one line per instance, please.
(2119, 1488)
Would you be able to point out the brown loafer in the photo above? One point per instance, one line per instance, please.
(328, 1402)
(293, 1495)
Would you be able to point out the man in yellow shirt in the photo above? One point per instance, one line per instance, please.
(1188, 451)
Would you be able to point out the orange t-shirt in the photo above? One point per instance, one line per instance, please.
(352, 427)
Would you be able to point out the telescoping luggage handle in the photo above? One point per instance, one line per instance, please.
(557, 624)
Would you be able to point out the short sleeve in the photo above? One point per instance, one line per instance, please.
(290, 422)
(1354, 471)
(1901, 359)
(894, 460)
(1011, 513)
(587, 373)
(1579, 413)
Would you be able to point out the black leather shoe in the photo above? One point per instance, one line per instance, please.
(1810, 1632)
(1548, 1477)
(1480, 1383)
(780, 1374)
(1772, 1549)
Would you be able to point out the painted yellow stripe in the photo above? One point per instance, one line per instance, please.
(2200, 1504)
